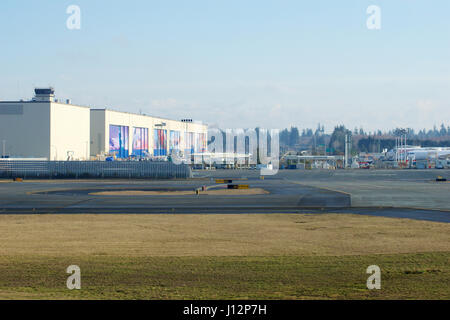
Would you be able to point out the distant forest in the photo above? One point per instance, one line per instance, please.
(317, 141)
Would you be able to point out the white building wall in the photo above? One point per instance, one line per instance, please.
(102, 119)
(54, 130)
(69, 132)
(25, 128)
(98, 130)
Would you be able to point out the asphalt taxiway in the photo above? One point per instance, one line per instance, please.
(410, 194)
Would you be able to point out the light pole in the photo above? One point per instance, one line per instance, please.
(186, 121)
(400, 149)
(406, 153)
(403, 133)
(396, 148)
(347, 150)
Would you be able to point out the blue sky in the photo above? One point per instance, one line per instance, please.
(237, 63)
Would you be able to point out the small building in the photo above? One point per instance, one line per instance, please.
(44, 128)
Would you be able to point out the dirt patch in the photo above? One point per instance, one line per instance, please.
(222, 192)
(236, 192)
(142, 193)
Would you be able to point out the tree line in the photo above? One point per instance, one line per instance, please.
(319, 142)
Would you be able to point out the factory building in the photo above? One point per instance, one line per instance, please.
(44, 128)
(47, 128)
(125, 134)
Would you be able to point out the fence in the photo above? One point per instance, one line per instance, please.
(92, 169)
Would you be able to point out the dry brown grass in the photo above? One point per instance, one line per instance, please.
(235, 192)
(217, 235)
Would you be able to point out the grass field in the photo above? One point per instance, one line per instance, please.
(321, 256)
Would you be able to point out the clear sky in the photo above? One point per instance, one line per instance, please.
(237, 63)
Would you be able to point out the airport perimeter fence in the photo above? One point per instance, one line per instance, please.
(93, 169)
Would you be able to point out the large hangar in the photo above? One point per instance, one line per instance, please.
(44, 128)
(47, 128)
(125, 134)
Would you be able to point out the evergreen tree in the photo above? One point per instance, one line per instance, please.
(337, 140)
(284, 137)
(293, 137)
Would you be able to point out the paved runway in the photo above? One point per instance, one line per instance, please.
(391, 193)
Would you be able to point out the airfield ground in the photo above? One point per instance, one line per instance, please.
(315, 249)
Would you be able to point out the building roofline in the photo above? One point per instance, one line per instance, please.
(57, 102)
(99, 109)
(28, 101)
(70, 104)
(142, 115)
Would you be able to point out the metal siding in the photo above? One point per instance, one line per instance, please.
(93, 169)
